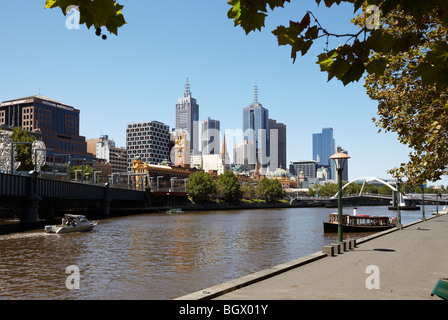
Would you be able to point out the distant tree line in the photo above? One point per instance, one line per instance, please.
(202, 188)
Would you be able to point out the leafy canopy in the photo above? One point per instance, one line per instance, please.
(348, 62)
(229, 187)
(408, 105)
(200, 187)
(270, 190)
(96, 13)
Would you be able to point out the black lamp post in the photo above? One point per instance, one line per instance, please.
(340, 159)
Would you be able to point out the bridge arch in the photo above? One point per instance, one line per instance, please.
(367, 179)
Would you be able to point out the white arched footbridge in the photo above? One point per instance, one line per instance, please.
(365, 179)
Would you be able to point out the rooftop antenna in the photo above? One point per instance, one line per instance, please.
(187, 89)
(255, 93)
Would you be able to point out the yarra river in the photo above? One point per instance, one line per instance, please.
(163, 256)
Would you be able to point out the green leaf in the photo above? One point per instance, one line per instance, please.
(325, 60)
(353, 73)
(376, 66)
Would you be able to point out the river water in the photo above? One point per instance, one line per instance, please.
(163, 256)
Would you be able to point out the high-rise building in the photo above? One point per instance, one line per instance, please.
(345, 168)
(210, 136)
(256, 129)
(323, 149)
(57, 122)
(281, 141)
(187, 118)
(149, 141)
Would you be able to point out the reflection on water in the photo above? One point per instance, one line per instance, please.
(160, 256)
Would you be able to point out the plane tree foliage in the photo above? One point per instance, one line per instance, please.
(417, 111)
(93, 13)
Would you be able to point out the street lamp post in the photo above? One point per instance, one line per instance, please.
(340, 159)
(398, 200)
(423, 202)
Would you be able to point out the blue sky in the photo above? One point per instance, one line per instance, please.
(139, 75)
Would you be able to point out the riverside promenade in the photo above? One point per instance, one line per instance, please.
(390, 265)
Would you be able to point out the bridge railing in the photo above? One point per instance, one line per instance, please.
(14, 185)
(63, 189)
(20, 186)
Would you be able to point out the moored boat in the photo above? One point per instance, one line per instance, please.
(174, 210)
(357, 223)
(72, 223)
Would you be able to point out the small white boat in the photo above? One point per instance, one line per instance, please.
(174, 210)
(72, 223)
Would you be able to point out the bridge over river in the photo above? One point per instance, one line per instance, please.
(366, 199)
(31, 197)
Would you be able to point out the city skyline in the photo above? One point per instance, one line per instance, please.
(142, 71)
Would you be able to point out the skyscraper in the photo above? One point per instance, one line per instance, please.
(281, 143)
(256, 128)
(210, 136)
(187, 117)
(323, 149)
(345, 168)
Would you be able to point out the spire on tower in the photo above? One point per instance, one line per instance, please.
(187, 89)
(224, 147)
(255, 93)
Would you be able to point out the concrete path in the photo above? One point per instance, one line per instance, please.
(398, 265)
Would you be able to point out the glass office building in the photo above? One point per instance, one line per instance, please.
(323, 149)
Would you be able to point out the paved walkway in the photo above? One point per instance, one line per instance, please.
(408, 263)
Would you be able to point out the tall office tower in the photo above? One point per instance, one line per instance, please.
(210, 136)
(187, 118)
(57, 122)
(323, 149)
(149, 141)
(256, 129)
(281, 143)
(345, 168)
